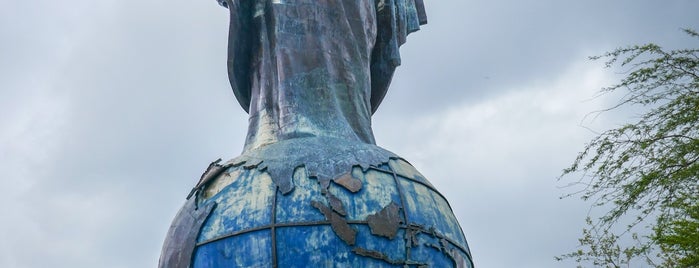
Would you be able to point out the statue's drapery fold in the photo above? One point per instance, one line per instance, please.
(395, 20)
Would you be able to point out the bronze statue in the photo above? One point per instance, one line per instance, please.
(311, 188)
(315, 68)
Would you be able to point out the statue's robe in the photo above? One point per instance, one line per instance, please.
(315, 68)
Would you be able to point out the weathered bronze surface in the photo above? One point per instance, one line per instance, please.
(386, 222)
(182, 236)
(211, 172)
(350, 183)
(311, 180)
(315, 68)
(338, 223)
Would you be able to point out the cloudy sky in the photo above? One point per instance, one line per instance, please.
(110, 110)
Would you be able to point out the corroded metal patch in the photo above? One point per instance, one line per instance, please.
(349, 182)
(459, 260)
(396, 189)
(329, 160)
(385, 222)
(338, 223)
(210, 174)
(181, 239)
(226, 178)
(404, 169)
(336, 204)
(376, 255)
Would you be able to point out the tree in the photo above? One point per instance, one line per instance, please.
(646, 171)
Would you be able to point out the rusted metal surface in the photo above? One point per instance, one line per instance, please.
(181, 238)
(220, 183)
(406, 170)
(329, 159)
(378, 191)
(338, 223)
(386, 222)
(359, 227)
(336, 204)
(429, 237)
(376, 255)
(294, 207)
(209, 174)
(382, 223)
(349, 182)
(459, 260)
(425, 207)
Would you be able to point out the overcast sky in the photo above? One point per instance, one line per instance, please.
(110, 110)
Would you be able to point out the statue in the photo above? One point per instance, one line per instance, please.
(311, 188)
(311, 68)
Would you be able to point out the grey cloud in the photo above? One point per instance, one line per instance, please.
(131, 102)
(470, 50)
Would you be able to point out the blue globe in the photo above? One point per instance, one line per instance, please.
(340, 205)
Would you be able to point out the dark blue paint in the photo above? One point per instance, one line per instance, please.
(237, 209)
(378, 191)
(299, 245)
(318, 246)
(294, 207)
(393, 248)
(427, 208)
(247, 250)
(424, 253)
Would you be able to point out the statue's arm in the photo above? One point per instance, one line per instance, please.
(395, 19)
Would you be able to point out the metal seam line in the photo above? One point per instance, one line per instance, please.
(405, 212)
(273, 227)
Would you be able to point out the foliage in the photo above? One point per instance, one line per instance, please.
(647, 170)
(679, 237)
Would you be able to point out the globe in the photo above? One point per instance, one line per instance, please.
(340, 205)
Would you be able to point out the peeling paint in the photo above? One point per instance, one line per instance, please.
(437, 241)
(378, 191)
(336, 204)
(237, 209)
(211, 172)
(330, 158)
(405, 169)
(338, 223)
(357, 205)
(262, 203)
(349, 182)
(375, 254)
(459, 260)
(294, 207)
(219, 183)
(386, 222)
(245, 250)
(181, 238)
(426, 207)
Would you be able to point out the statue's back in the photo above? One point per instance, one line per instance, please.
(311, 189)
